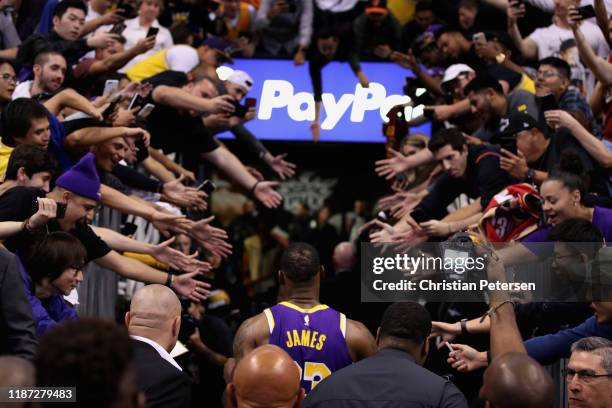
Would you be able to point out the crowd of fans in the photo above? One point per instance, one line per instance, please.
(117, 105)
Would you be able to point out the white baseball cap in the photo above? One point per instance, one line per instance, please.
(454, 70)
(241, 78)
(182, 58)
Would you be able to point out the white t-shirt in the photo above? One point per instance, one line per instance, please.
(549, 5)
(134, 32)
(22, 90)
(550, 39)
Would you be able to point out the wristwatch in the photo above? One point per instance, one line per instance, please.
(464, 330)
(529, 176)
(500, 58)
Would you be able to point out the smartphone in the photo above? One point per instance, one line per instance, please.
(586, 12)
(548, 102)
(117, 28)
(152, 32)
(60, 212)
(207, 186)
(143, 152)
(137, 100)
(479, 38)
(428, 113)
(239, 110)
(145, 111)
(250, 102)
(110, 86)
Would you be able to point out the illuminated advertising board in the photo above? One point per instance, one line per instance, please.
(349, 113)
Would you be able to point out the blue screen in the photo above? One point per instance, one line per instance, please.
(350, 113)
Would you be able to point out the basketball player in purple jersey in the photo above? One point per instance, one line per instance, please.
(320, 340)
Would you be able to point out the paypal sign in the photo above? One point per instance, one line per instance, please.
(349, 112)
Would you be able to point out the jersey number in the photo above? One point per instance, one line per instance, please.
(314, 372)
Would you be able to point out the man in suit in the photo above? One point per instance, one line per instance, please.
(153, 322)
(393, 377)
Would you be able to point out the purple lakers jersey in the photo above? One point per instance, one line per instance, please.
(315, 338)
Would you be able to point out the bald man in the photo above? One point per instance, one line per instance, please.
(16, 372)
(153, 323)
(515, 380)
(265, 377)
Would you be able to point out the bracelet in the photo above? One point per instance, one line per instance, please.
(493, 309)
(464, 329)
(169, 280)
(254, 187)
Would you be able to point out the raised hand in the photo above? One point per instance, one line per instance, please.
(194, 289)
(448, 331)
(47, 210)
(165, 222)
(391, 167)
(210, 238)
(178, 260)
(283, 168)
(466, 358)
(265, 193)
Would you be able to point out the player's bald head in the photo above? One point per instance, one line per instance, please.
(266, 377)
(517, 380)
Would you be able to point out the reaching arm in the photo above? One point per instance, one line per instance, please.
(601, 15)
(116, 61)
(232, 166)
(158, 170)
(601, 68)
(86, 137)
(129, 268)
(527, 47)
(181, 99)
(9, 228)
(591, 144)
(69, 98)
(228, 163)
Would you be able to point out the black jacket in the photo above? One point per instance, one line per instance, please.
(163, 384)
(389, 379)
(483, 178)
(17, 330)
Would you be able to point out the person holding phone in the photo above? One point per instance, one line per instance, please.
(548, 41)
(143, 26)
(238, 85)
(553, 78)
(533, 151)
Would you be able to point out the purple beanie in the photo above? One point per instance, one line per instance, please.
(82, 178)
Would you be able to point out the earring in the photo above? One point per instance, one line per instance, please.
(575, 203)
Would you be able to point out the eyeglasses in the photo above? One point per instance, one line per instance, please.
(546, 74)
(583, 376)
(558, 257)
(9, 77)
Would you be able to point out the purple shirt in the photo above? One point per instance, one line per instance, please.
(602, 219)
(314, 338)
